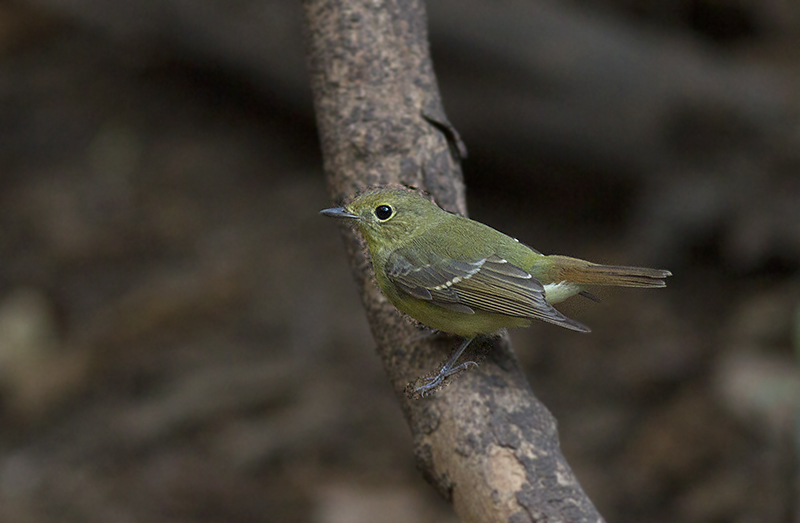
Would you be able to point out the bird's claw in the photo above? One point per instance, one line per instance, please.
(433, 382)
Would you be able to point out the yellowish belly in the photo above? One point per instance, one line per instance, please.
(454, 322)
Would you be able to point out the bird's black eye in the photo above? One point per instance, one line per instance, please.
(383, 212)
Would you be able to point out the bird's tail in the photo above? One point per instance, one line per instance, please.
(582, 273)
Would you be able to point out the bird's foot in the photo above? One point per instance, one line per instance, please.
(432, 383)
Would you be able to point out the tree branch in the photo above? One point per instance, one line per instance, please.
(485, 442)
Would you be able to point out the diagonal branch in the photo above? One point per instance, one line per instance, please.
(485, 442)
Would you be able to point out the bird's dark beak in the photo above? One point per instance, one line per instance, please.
(339, 212)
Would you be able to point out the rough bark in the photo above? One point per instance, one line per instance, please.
(485, 442)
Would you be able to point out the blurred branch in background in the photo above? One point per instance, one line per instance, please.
(580, 82)
(580, 88)
(155, 155)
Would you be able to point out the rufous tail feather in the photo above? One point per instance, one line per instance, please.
(582, 272)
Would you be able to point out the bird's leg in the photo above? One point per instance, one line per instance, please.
(448, 369)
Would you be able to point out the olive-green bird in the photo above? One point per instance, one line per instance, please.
(460, 276)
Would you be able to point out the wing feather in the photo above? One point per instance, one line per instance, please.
(490, 284)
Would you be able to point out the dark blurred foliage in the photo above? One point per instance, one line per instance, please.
(180, 339)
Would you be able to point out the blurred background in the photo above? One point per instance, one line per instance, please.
(180, 338)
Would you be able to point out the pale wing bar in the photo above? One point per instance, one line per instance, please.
(431, 282)
(491, 284)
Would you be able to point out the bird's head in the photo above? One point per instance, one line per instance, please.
(386, 216)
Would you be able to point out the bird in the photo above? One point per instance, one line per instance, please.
(462, 277)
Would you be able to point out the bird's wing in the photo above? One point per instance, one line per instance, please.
(489, 284)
